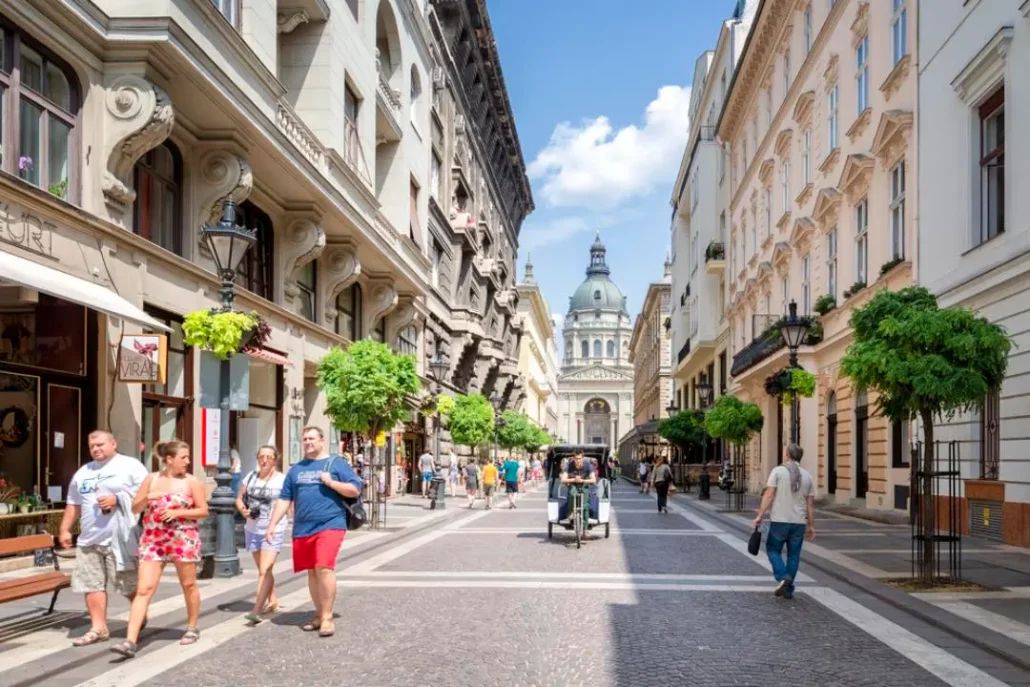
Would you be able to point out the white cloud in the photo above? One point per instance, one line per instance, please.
(552, 231)
(594, 164)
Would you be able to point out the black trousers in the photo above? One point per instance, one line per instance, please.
(662, 489)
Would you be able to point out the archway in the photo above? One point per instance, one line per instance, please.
(597, 422)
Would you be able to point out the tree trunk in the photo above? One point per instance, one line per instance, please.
(926, 500)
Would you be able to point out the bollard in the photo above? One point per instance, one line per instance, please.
(704, 485)
(437, 492)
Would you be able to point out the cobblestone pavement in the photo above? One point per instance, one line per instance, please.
(476, 598)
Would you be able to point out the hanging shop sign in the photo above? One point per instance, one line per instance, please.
(143, 358)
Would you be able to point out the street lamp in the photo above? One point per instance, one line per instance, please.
(495, 401)
(438, 367)
(228, 243)
(704, 391)
(794, 331)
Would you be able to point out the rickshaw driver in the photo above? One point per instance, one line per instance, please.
(580, 474)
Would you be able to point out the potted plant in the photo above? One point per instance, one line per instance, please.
(24, 504)
(890, 264)
(224, 333)
(59, 189)
(8, 496)
(824, 304)
(855, 288)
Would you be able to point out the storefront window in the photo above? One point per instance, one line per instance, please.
(44, 107)
(168, 408)
(157, 214)
(50, 334)
(261, 423)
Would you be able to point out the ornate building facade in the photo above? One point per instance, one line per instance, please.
(538, 357)
(595, 387)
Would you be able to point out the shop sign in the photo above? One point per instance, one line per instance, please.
(210, 436)
(25, 230)
(381, 439)
(143, 358)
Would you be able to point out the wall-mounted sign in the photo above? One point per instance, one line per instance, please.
(210, 436)
(143, 358)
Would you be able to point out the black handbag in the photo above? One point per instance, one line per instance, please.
(356, 515)
(754, 544)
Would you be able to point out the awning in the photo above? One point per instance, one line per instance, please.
(61, 285)
(267, 355)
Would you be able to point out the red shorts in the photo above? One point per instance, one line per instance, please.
(318, 550)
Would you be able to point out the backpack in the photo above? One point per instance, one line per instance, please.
(356, 516)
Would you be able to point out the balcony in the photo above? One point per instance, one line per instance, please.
(684, 352)
(760, 348)
(388, 107)
(715, 258)
(301, 136)
(353, 155)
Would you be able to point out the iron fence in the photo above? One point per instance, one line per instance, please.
(936, 522)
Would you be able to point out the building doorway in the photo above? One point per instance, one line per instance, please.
(831, 444)
(861, 446)
(597, 415)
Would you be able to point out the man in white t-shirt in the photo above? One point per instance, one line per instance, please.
(97, 491)
(426, 466)
(790, 499)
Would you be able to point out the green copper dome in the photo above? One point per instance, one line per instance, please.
(597, 291)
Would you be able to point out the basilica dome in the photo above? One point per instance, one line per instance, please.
(597, 291)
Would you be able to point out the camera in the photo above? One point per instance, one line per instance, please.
(253, 505)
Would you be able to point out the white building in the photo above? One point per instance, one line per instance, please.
(974, 247)
(596, 383)
(700, 198)
(538, 355)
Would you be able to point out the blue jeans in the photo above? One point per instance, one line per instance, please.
(793, 535)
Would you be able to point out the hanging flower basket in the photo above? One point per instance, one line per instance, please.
(224, 333)
(790, 381)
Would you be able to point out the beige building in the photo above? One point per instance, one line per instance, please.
(818, 129)
(125, 126)
(538, 356)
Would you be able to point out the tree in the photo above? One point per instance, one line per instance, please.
(367, 387)
(685, 429)
(734, 420)
(516, 431)
(539, 438)
(924, 362)
(471, 421)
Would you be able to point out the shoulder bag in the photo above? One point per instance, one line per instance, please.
(356, 515)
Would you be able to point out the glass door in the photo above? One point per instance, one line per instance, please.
(64, 435)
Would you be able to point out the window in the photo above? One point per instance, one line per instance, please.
(414, 228)
(806, 157)
(39, 105)
(832, 117)
(806, 285)
(899, 30)
(786, 73)
(900, 451)
(784, 293)
(166, 408)
(434, 177)
(831, 263)
(808, 29)
(585, 345)
(255, 270)
(157, 211)
(379, 331)
(597, 348)
(437, 258)
(351, 104)
(306, 284)
(992, 166)
(229, 10)
(862, 241)
(898, 211)
(348, 312)
(611, 349)
(785, 182)
(416, 96)
(990, 438)
(768, 211)
(407, 341)
(768, 114)
(862, 77)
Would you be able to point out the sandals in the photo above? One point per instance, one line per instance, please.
(94, 636)
(270, 609)
(312, 625)
(327, 629)
(127, 649)
(191, 636)
(253, 618)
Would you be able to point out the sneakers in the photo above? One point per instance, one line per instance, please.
(783, 589)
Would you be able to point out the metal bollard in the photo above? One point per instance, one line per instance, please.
(437, 492)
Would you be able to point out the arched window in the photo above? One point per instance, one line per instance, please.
(416, 95)
(40, 107)
(348, 312)
(157, 211)
(255, 270)
(586, 349)
(597, 348)
(611, 348)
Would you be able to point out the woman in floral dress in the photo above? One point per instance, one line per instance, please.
(172, 501)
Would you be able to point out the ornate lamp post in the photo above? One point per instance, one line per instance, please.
(228, 243)
(794, 331)
(497, 403)
(438, 368)
(704, 391)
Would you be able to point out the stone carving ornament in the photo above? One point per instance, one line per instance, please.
(339, 269)
(221, 175)
(140, 117)
(381, 299)
(304, 242)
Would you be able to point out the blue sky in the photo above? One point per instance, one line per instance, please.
(600, 90)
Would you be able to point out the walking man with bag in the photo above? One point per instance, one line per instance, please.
(790, 499)
(317, 488)
(662, 481)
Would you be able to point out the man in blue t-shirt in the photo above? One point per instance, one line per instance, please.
(317, 487)
(511, 480)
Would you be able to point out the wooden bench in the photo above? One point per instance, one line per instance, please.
(39, 583)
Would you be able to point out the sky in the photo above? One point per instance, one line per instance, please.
(601, 94)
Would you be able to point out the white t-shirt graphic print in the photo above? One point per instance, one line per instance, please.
(121, 475)
(265, 492)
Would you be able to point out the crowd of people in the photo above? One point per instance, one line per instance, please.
(481, 478)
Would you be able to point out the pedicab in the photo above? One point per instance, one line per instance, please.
(564, 501)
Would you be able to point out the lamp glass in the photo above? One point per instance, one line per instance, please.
(704, 390)
(794, 329)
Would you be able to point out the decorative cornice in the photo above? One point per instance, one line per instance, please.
(765, 170)
(303, 242)
(830, 73)
(985, 70)
(805, 195)
(221, 174)
(860, 124)
(782, 146)
(892, 84)
(827, 207)
(339, 268)
(403, 315)
(781, 253)
(286, 22)
(830, 162)
(860, 27)
(892, 136)
(380, 298)
(803, 108)
(139, 116)
(803, 229)
(854, 178)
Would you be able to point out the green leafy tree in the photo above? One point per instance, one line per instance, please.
(924, 362)
(471, 421)
(538, 439)
(367, 387)
(734, 420)
(516, 431)
(685, 429)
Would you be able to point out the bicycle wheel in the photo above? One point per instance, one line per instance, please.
(579, 526)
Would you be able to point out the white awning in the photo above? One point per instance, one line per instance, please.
(61, 285)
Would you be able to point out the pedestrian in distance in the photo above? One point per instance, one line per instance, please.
(790, 500)
(490, 474)
(317, 487)
(258, 493)
(472, 479)
(172, 502)
(452, 473)
(100, 496)
(511, 469)
(642, 471)
(427, 466)
(662, 476)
